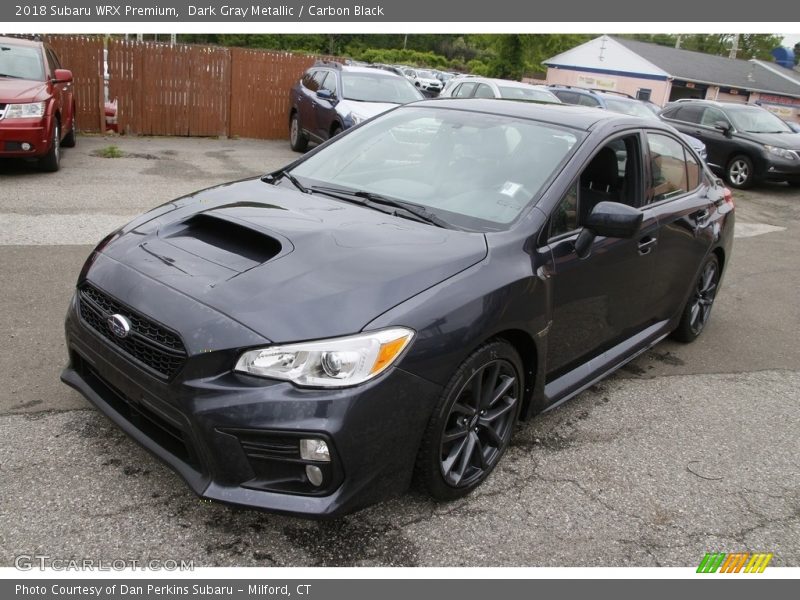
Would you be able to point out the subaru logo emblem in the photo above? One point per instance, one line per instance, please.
(119, 326)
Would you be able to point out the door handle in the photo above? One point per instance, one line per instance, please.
(646, 244)
(700, 215)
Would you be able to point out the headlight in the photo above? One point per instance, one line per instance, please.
(782, 152)
(29, 110)
(337, 362)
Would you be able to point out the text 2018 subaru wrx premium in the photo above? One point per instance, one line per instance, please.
(392, 303)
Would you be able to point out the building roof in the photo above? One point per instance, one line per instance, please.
(613, 54)
(717, 70)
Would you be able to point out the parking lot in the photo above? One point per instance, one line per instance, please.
(686, 450)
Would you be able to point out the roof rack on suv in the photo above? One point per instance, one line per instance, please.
(602, 91)
(328, 63)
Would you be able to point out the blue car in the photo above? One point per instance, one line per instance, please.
(620, 103)
(332, 97)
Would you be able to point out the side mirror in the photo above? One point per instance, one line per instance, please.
(724, 127)
(325, 94)
(62, 76)
(608, 219)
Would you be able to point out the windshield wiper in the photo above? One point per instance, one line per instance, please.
(11, 76)
(273, 178)
(384, 204)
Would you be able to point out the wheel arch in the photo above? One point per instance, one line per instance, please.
(526, 347)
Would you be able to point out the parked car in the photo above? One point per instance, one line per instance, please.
(37, 105)
(483, 87)
(396, 300)
(331, 97)
(424, 80)
(621, 103)
(746, 143)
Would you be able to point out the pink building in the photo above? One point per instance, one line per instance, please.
(662, 74)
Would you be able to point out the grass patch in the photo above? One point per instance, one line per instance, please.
(111, 151)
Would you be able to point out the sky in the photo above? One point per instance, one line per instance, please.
(790, 39)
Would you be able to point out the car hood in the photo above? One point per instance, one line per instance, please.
(363, 109)
(782, 140)
(20, 90)
(291, 266)
(427, 81)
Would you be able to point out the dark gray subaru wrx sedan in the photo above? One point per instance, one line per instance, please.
(392, 303)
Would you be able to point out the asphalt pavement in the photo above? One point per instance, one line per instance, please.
(686, 450)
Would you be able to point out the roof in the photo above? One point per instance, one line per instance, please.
(715, 70)
(568, 115)
(623, 56)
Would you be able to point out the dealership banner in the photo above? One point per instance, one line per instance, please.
(397, 589)
(389, 11)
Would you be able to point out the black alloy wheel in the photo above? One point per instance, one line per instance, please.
(472, 427)
(698, 309)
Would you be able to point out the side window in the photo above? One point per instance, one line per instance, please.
(464, 90)
(484, 91)
(309, 82)
(52, 57)
(51, 64)
(692, 170)
(688, 114)
(319, 77)
(585, 100)
(667, 167)
(711, 115)
(565, 216)
(613, 175)
(567, 97)
(329, 83)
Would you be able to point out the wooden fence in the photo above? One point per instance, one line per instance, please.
(84, 57)
(184, 90)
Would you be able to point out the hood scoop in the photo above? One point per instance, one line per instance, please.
(224, 240)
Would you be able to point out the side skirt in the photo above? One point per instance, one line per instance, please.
(574, 382)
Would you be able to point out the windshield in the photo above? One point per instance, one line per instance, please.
(21, 62)
(634, 109)
(375, 87)
(756, 120)
(473, 170)
(527, 93)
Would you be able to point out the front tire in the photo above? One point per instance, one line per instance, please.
(698, 309)
(70, 140)
(297, 140)
(739, 172)
(472, 424)
(52, 160)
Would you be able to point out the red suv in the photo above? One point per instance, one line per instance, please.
(37, 107)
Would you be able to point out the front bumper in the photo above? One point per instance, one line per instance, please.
(780, 169)
(230, 436)
(16, 132)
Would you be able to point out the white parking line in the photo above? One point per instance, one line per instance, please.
(57, 230)
(745, 230)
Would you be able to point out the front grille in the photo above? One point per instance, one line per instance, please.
(165, 432)
(149, 343)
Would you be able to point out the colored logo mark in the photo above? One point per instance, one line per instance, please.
(738, 562)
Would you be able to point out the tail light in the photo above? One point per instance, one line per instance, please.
(728, 197)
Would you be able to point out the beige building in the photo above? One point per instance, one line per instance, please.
(662, 74)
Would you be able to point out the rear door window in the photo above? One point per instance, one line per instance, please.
(668, 168)
(483, 91)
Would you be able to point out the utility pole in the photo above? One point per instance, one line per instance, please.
(678, 40)
(734, 46)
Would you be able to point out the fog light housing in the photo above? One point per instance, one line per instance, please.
(314, 449)
(25, 146)
(314, 474)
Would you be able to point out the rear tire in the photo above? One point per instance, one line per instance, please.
(739, 172)
(51, 161)
(297, 140)
(472, 424)
(335, 130)
(697, 311)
